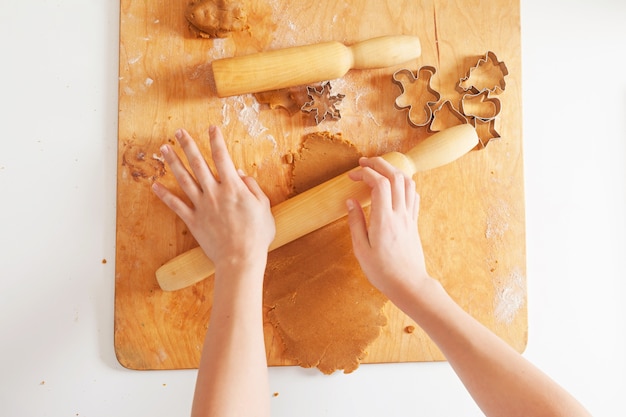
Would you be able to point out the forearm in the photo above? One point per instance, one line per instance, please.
(232, 376)
(500, 380)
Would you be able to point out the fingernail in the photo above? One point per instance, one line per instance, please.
(212, 129)
(350, 205)
(164, 150)
(178, 134)
(240, 172)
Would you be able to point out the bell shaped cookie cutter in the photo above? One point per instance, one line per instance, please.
(416, 94)
(446, 116)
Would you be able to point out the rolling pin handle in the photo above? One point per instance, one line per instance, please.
(385, 51)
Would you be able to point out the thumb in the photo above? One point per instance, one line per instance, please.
(357, 224)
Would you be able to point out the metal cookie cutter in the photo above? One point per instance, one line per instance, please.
(486, 131)
(488, 74)
(480, 106)
(477, 104)
(416, 94)
(446, 116)
(322, 103)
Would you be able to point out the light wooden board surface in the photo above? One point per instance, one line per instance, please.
(472, 211)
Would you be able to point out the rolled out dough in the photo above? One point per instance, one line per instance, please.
(327, 316)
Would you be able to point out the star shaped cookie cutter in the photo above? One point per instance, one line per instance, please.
(322, 103)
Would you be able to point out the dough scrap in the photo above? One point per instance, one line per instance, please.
(216, 18)
(321, 157)
(316, 297)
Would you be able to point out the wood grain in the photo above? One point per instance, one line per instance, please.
(472, 211)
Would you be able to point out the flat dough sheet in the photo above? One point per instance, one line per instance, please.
(327, 316)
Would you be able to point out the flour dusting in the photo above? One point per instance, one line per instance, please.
(219, 49)
(247, 109)
(497, 220)
(135, 59)
(225, 115)
(510, 296)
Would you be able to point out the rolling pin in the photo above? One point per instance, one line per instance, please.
(308, 64)
(325, 203)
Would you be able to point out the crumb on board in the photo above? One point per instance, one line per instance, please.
(409, 329)
(275, 394)
(104, 261)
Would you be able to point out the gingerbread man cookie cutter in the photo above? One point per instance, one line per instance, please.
(416, 94)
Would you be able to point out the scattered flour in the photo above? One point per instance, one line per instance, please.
(135, 59)
(247, 108)
(219, 49)
(497, 220)
(510, 296)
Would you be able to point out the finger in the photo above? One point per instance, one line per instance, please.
(358, 226)
(416, 206)
(380, 194)
(223, 162)
(186, 181)
(396, 178)
(175, 204)
(410, 194)
(198, 164)
(253, 186)
(381, 187)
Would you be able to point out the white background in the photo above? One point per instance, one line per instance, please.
(58, 121)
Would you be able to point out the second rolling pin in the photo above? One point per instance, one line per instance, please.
(308, 64)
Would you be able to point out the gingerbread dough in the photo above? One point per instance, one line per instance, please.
(322, 156)
(327, 316)
(216, 18)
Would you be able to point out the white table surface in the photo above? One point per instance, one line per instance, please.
(58, 141)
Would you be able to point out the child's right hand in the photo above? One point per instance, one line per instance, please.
(389, 250)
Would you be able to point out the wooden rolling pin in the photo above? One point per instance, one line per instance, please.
(325, 203)
(308, 64)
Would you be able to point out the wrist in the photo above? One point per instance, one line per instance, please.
(248, 265)
(414, 294)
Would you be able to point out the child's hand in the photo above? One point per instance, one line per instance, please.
(389, 249)
(229, 215)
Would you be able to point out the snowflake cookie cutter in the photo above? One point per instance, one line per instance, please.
(322, 103)
(416, 94)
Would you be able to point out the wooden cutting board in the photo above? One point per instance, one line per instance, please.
(472, 211)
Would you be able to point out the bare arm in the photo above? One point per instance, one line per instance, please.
(500, 380)
(230, 218)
